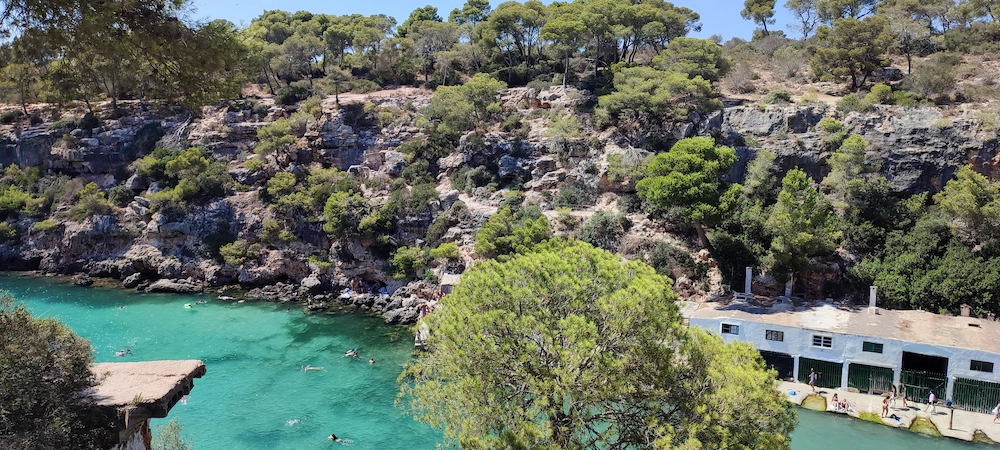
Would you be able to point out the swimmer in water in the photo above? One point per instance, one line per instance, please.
(187, 306)
(371, 361)
(332, 437)
(352, 352)
(120, 353)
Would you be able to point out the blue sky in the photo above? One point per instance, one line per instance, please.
(717, 16)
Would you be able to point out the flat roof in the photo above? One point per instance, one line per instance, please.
(154, 384)
(910, 326)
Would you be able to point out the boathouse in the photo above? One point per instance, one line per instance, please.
(865, 349)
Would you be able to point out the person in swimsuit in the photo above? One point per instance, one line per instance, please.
(812, 379)
(332, 437)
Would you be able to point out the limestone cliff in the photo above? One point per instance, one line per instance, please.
(919, 149)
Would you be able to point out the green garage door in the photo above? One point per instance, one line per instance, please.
(829, 373)
(870, 379)
(974, 395)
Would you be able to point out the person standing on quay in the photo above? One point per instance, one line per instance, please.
(930, 402)
(812, 379)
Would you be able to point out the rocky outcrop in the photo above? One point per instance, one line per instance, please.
(177, 286)
(918, 149)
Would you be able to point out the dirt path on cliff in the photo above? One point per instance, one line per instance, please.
(398, 92)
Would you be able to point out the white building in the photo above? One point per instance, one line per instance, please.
(867, 349)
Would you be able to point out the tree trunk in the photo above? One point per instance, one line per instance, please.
(566, 71)
(702, 234)
(267, 77)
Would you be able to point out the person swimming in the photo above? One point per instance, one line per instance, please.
(332, 437)
(187, 306)
(371, 361)
(308, 367)
(352, 353)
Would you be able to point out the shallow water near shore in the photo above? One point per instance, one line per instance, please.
(255, 395)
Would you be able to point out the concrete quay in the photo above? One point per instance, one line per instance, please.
(953, 423)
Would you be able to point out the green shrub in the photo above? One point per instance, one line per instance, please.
(465, 179)
(254, 164)
(444, 221)
(290, 95)
(281, 184)
(777, 96)
(342, 211)
(630, 165)
(185, 175)
(88, 122)
(320, 261)
(852, 103)
(312, 106)
(830, 125)
(407, 262)
(65, 123)
(45, 225)
(604, 230)
(447, 251)
(567, 127)
(273, 137)
(565, 217)
(880, 93)
(648, 92)
(120, 195)
(14, 202)
(8, 117)
(512, 232)
(272, 231)
(511, 123)
(933, 77)
(573, 196)
(363, 86)
(8, 232)
(91, 202)
(905, 98)
(236, 253)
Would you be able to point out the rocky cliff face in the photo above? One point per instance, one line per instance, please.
(919, 150)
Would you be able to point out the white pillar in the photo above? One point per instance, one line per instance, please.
(795, 368)
(843, 375)
(746, 284)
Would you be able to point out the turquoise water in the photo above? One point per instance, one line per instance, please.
(255, 396)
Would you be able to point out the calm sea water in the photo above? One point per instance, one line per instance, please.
(255, 396)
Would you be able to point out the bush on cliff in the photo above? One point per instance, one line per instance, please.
(91, 203)
(509, 231)
(407, 262)
(14, 202)
(44, 367)
(646, 95)
(186, 175)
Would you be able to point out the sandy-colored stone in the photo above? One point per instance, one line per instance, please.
(152, 383)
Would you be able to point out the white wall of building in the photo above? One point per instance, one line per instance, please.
(848, 348)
